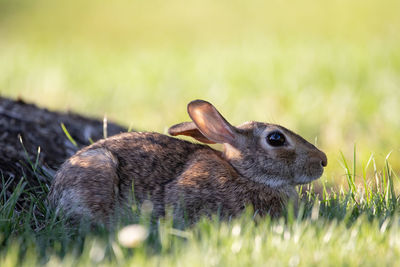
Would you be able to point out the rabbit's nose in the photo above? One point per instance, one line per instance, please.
(318, 156)
(324, 159)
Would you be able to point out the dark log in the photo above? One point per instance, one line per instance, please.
(25, 127)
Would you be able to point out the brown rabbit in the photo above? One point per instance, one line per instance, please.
(260, 166)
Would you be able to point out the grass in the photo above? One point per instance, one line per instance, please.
(328, 70)
(356, 225)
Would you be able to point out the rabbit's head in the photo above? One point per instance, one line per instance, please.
(266, 153)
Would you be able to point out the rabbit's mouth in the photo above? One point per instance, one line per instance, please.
(305, 179)
(312, 171)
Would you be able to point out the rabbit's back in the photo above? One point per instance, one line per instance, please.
(152, 161)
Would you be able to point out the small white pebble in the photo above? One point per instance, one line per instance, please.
(132, 235)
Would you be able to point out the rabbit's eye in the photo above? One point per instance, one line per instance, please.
(276, 139)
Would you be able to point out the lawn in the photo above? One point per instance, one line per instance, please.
(329, 70)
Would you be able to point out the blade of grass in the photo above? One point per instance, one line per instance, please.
(68, 135)
(349, 176)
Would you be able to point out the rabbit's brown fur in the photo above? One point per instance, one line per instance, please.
(101, 181)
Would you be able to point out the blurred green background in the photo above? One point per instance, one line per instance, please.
(329, 70)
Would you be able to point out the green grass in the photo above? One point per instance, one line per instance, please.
(355, 226)
(328, 70)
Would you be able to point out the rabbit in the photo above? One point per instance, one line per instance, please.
(260, 165)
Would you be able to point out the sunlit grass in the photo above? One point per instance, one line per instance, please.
(355, 226)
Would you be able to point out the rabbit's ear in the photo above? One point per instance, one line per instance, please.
(210, 122)
(189, 129)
